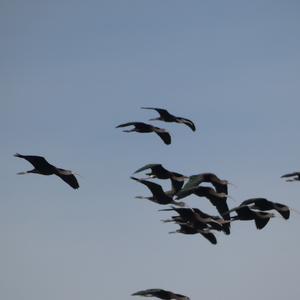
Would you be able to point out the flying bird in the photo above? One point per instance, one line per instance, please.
(197, 218)
(165, 116)
(220, 185)
(265, 205)
(161, 294)
(146, 128)
(295, 176)
(244, 213)
(158, 195)
(158, 171)
(41, 166)
(190, 229)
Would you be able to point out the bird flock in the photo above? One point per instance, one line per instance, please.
(191, 220)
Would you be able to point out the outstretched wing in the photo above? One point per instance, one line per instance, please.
(128, 124)
(148, 292)
(155, 188)
(185, 192)
(256, 201)
(69, 179)
(161, 111)
(186, 122)
(291, 175)
(193, 181)
(223, 209)
(36, 161)
(165, 136)
(210, 236)
(146, 167)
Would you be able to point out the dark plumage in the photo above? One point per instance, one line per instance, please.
(146, 128)
(216, 199)
(295, 176)
(197, 218)
(190, 229)
(215, 222)
(158, 171)
(161, 294)
(220, 185)
(158, 195)
(265, 205)
(244, 213)
(41, 166)
(165, 116)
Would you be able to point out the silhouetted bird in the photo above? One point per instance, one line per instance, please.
(165, 116)
(295, 176)
(216, 199)
(161, 294)
(158, 171)
(264, 205)
(244, 213)
(187, 216)
(41, 166)
(197, 219)
(158, 195)
(220, 185)
(146, 128)
(215, 222)
(189, 229)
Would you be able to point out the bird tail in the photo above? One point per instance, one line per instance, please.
(18, 155)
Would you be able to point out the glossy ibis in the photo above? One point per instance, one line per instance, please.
(165, 116)
(146, 128)
(41, 166)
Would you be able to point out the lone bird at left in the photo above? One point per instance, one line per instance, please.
(42, 167)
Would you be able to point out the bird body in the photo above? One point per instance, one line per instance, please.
(197, 218)
(244, 213)
(158, 195)
(158, 171)
(41, 166)
(217, 199)
(165, 116)
(161, 294)
(146, 128)
(295, 176)
(190, 229)
(265, 205)
(220, 185)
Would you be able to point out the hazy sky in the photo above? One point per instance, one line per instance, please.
(70, 71)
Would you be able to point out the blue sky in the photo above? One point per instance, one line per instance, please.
(72, 70)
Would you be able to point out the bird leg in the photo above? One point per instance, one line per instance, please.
(167, 220)
(22, 173)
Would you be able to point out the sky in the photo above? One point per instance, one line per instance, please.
(70, 71)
